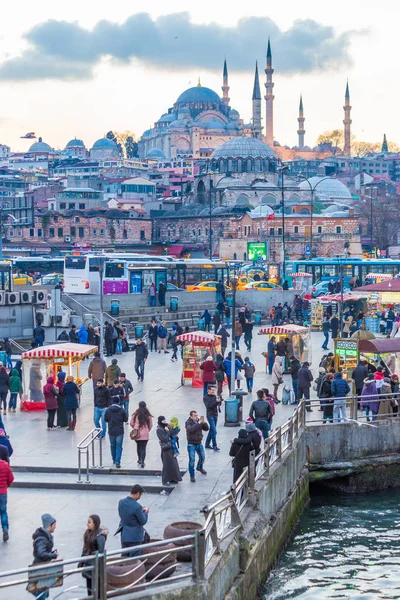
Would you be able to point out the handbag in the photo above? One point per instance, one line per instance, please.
(315, 386)
(134, 434)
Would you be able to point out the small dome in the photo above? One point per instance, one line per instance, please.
(40, 146)
(167, 118)
(178, 125)
(231, 182)
(233, 114)
(147, 132)
(104, 143)
(198, 94)
(155, 154)
(339, 213)
(243, 147)
(75, 143)
(261, 211)
(184, 111)
(214, 125)
(330, 187)
(231, 125)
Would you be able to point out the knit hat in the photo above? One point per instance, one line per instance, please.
(47, 520)
(321, 370)
(114, 361)
(209, 358)
(386, 380)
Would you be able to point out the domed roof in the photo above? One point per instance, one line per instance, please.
(261, 211)
(243, 147)
(231, 125)
(156, 154)
(231, 182)
(234, 114)
(331, 188)
(198, 94)
(178, 124)
(166, 118)
(147, 132)
(214, 125)
(40, 146)
(184, 110)
(105, 143)
(75, 143)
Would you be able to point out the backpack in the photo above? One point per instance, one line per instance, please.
(292, 397)
(286, 394)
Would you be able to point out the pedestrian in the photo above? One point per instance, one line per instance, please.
(5, 443)
(162, 289)
(219, 373)
(152, 294)
(277, 376)
(94, 540)
(39, 335)
(4, 387)
(304, 383)
(15, 390)
(117, 393)
(141, 423)
(174, 344)
(62, 419)
(6, 479)
(385, 404)
(208, 368)
(153, 335)
(370, 398)
(220, 291)
(249, 370)
(228, 370)
(119, 337)
(73, 335)
(227, 316)
(8, 350)
(248, 334)
(91, 335)
(174, 430)
(50, 393)
(347, 321)
(133, 517)
(360, 373)
(281, 347)
(326, 327)
(194, 433)
(18, 367)
(326, 398)
(328, 361)
(96, 331)
(212, 402)
(216, 321)
(285, 285)
(97, 369)
(116, 416)
(71, 392)
(170, 470)
(224, 338)
(340, 388)
(255, 434)
(261, 413)
(102, 400)
(112, 372)
(240, 450)
(221, 308)
(238, 333)
(294, 373)
(271, 349)
(207, 319)
(394, 384)
(127, 389)
(43, 549)
(162, 333)
(82, 335)
(108, 338)
(318, 384)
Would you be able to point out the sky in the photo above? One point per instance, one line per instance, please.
(68, 71)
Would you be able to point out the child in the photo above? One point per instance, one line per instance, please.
(174, 430)
(249, 370)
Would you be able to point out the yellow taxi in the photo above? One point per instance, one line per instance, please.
(22, 279)
(242, 282)
(204, 286)
(262, 286)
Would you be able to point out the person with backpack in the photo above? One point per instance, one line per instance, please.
(112, 372)
(219, 374)
(249, 370)
(304, 384)
(162, 333)
(261, 413)
(294, 373)
(116, 416)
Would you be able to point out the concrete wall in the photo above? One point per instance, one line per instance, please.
(16, 322)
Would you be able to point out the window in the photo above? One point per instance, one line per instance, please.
(71, 205)
(319, 229)
(98, 220)
(63, 206)
(295, 229)
(55, 219)
(142, 234)
(125, 234)
(338, 229)
(82, 206)
(11, 231)
(271, 231)
(51, 232)
(73, 231)
(279, 230)
(81, 232)
(60, 232)
(101, 232)
(94, 232)
(32, 233)
(76, 219)
(19, 231)
(39, 232)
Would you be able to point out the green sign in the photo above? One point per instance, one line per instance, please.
(257, 250)
(346, 348)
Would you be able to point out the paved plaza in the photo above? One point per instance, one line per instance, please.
(162, 390)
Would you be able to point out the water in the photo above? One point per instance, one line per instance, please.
(343, 547)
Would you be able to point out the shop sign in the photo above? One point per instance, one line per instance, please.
(346, 348)
(256, 250)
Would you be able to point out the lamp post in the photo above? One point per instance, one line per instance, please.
(236, 269)
(340, 259)
(210, 223)
(312, 190)
(371, 218)
(281, 170)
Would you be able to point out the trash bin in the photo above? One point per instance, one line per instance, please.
(3, 358)
(229, 300)
(201, 324)
(139, 331)
(173, 303)
(257, 317)
(232, 412)
(114, 308)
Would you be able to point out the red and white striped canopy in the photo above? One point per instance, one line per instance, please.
(379, 276)
(300, 275)
(66, 350)
(285, 329)
(203, 337)
(337, 298)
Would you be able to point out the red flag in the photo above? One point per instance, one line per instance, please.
(271, 217)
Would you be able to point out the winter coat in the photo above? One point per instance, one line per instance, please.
(4, 381)
(115, 416)
(15, 382)
(83, 335)
(326, 326)
(369, 396)
(73, 336)
(153, 332)
(127, 388)
(249, 370)
(277, 371)
(38, 332)
(208, 368)
(112, 372)
(97, 368)
(334, 326)
(255, 439)
(216, 319)
(91, 338)
(385, 405)
(211, 404)
(108, 332)
(238, 329)
(5, 442)
(339, 386)
(102, 398)
(261, 409)
(326, 391)
(132, 520)
(295, 366)
(240, 450)
(116, 395)
(281, 348)
(162, 332)
(228, 366)
(4, 453)
(319, 381)
(194, 431)
(50, 394)
(206, 316)
(144, 430)
(141, 351)
(71, 392)
(43, 546)
(359, 374)
(224, 337)
(6, 476)
(304, 378)
(220, 372)
(271, 348)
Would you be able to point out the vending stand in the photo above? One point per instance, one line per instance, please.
(197, 345)
(301, 281)
(349, 352)
(46, 361)
(299, 337)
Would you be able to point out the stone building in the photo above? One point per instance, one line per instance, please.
(103, 149)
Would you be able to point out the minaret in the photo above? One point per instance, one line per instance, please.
(225, 86)
(257, 127)
(301, 131)
(347, 122)
(269, 100)
(385, 147)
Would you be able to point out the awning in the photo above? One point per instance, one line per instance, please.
(66, 350)
(300, 274)
(203, 337)
(175, 250)
(285, 329)
(379, 276)
(338, 298)
(379, 346)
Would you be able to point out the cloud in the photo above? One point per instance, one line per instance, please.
(65, 50)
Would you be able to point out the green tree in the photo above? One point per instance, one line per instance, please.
(131, 147)
(113, 136)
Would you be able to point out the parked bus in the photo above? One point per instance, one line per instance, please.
(323, 269)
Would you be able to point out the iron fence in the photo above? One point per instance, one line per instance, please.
(357, 409)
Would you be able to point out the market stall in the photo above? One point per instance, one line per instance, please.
(378, 277)
(379, 297)
(299, 339)
(385, 352)
(301, 281)
(46, 361)
(197, 345)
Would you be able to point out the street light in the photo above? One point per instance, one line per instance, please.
(340, 259)
(235, 268)
(312, 189)
(281, 170)
(371, 217)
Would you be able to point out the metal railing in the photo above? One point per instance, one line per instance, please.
(357, 407)
(17, 345)
(88, 310)
(84, 447)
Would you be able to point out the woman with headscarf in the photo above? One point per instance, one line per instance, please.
(277, 376)
(170, 471)
(71, 392)
(385, 405)
(240, 450)
(4, 387)
(255, 434)
(62, 420)
(142, 422)
(94, 540)
(50, 393)
(370, 398)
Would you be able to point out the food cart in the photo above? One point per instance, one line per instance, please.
(378, 277)
(197, 345)
(46, 361)
(299, 339)
(301, 281)
(385, 352)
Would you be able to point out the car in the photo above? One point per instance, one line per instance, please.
(173, 288)
(321, 289)
(243, 281)
(262, 286)
(50, 279)
(204, 286)
(22, 279)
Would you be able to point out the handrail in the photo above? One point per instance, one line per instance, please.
(18, 346)
(83, 447)
(354, 402)
(89, 310)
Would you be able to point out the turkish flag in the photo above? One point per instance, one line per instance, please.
(271, 217)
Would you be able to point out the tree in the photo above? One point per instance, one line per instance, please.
(113, 136)
(383, 211)
(334, 137)
(126, 142)
(363, 148)
(131, 147)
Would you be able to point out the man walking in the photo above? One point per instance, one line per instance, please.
(326, 327)
(133, 517)
(304, 383)
(359, 374)
(162, 333)
(101, 403)
(153, 294)
(248, 334)
(224, 338)
(141, 356)
(212, 404)
(108, 338)
(128, 389)
(73, 336)
(294, 372)
(116, 416)
(194, 433)
(271, 349)
(261, 413)
(43, 551)
(339, 388)
(97, 369)
(6, 479)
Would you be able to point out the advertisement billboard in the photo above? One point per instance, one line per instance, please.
(257, 251)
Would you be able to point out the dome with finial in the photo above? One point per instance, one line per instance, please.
(155, 154)
(75, 143)
(40, 146)
(243, 147)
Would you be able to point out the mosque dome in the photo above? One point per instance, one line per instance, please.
(178, 124)
(243, 147)
(167, 118)
(147, 132)
(214, 125)
(330, 187)
(75, 143)
(40, 146)
(105, 144)
(233, 114)
(198, 94)
(155, 154)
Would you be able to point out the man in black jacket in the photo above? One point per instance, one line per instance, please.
(101, 402)
(194, 433)
(212, 404)
(116, 417)
(73, 336)
(39, 335)
(141, 356)
(261, 413)
(108, 338)
(117, 393)
(43, 552)
(334, 322)
(359, 374)
(304, 383)
(294, 372)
